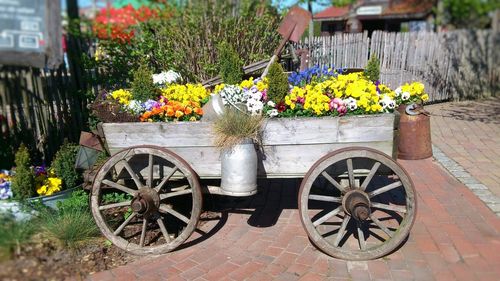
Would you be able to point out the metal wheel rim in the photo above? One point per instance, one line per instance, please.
(388, 246)
(196, 198)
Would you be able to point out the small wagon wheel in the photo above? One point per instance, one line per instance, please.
(357, 204)
(146, 200)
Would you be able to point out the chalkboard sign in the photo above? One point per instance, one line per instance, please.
(30, 33)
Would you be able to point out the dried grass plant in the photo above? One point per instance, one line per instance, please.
(234, 126)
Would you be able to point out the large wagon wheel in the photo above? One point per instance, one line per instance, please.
(357, 204)
(146, 200)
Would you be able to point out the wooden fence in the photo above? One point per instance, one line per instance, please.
(39, 108)
(453, 65)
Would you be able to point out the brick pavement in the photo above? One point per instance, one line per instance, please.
(469, 133)
(455, 237)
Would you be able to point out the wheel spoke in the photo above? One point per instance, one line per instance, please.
(150, 171)
(120, 187)
(122, 226)
(325, 198)
(327, 216)
(368, 178)
(115, 205)
(381, 226)
(176, 193)
(143, 233)
(395, 208)
(132, 174)
(385, 188)
(165, 179)
(332, 181)
(166, 209)
(342, 230)
(163, 230)
(350, 172)
(361, 238)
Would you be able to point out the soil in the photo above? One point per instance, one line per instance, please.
(41, 260)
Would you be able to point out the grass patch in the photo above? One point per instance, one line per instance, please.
(234, 126)
(69, 228)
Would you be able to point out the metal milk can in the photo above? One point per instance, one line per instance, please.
(239, 169)
(414, 140)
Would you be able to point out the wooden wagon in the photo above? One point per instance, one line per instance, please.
(355, 201)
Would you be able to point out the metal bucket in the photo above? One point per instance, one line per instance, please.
(239, 170)
(213, 108)
(414, 140)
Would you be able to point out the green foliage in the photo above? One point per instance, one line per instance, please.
(13, 234)
(466, 13)
(278, 83)
(372, 70)
(143, 87)
(115, 197)
(23, 183)
(230, 64)
(64, 165)
(187, 40)
(78, 201)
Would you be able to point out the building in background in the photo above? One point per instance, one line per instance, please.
(370, 15)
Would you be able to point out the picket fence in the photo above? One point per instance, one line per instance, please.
(453, 65)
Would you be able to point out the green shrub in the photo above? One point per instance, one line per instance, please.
(13, 234)
(78, 201)
(64, 165)
(278, 83)
(372, 70)
(230, 64)
(23, 183)
(143, 87)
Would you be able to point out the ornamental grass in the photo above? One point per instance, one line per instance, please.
(234, 126)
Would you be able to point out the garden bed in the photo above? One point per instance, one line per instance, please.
(42, 260)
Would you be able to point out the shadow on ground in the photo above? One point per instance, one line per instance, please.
(486, 111)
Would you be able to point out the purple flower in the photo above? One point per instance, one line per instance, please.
(40, 170)
(150, 104)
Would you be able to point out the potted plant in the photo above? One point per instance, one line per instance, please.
(237, 133)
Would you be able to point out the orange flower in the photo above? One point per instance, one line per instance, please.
(188, 110)
(198, 111)
(156, 111)
(170, 111)
(178, 114)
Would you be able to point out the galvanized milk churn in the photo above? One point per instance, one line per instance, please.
(239, 169)
(414, 133)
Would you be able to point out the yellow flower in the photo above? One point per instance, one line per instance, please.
(425, 97)
(123, 96)
(247, 83)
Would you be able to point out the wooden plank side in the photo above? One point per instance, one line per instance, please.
(274, 161)
(282, 131)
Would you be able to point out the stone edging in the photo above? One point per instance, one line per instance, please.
(479, 189)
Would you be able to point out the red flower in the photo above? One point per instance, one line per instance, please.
(117, 24)
(281, 106)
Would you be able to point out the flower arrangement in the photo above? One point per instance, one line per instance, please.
(411, 93)
(311, 75)
(250, 93)
(322, 92)
(46, 181)
(5, 182)
(176, 102)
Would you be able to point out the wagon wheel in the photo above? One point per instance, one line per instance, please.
(146, 200)
(357, 204)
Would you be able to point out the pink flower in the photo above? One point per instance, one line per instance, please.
(338, 105)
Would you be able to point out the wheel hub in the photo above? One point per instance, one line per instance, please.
(146, 202)
(357, 204)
